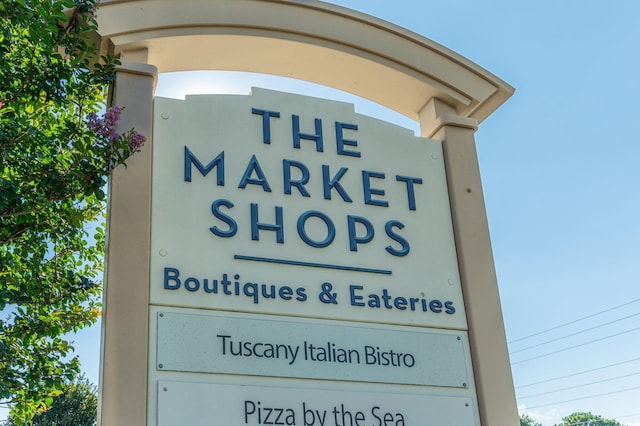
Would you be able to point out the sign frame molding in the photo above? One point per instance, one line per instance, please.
(446, 93)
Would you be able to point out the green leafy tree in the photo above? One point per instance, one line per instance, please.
(525, 420)
(56, 153)
(77, 405)
(587, 419)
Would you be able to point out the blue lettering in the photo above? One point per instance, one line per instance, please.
(268, 292)
(411, 197)
(233, 226)
(354, 239)
(251, 290)
(191, 284)
(374, 301)
(213, 288)
(191, 159)
(400, 303)
(301, 296)
(435, 306)
(341, 141)
(404, 250)
(331, 229)
(329, 183)
(295, 121)
(266, 122)
(449, 309)
(260, 180)
(171, 274)
(299, 183)
(257, 226)
(355, 298)
(285, 292)
(368, 191)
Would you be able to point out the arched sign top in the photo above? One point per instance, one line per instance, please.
(308, 40)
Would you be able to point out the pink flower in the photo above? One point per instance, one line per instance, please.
(136, 140)
(105, 129)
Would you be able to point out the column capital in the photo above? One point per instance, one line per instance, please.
(437, 114)
(139, 68)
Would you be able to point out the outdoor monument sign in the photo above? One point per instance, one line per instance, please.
(281, 259)
(298, 208)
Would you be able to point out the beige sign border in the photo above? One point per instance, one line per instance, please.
(325, 44)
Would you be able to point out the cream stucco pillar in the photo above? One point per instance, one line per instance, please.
(490, 357)
(123, 379)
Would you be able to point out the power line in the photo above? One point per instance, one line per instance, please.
(627, 415)
(576, 346)
(578, 373)
(578, 386)
(584, 397)
(574, 321)
(576, 333)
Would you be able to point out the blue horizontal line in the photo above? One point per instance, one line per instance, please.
(312, 265)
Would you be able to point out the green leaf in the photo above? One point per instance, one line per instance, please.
(54, 168)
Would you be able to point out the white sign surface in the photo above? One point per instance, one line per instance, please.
(200, 404)
(286, 204)
(285, 348)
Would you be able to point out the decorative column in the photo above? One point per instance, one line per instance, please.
(490, 357)
(123, 382)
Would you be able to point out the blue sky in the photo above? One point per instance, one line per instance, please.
(560, 175)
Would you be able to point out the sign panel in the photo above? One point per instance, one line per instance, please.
(199, 404)
(304, 349)
(291, 205)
